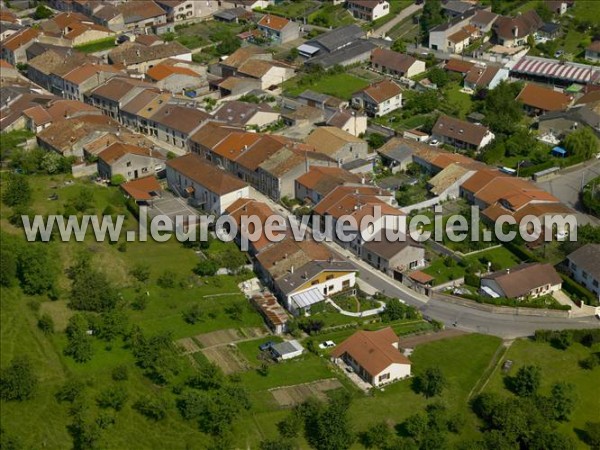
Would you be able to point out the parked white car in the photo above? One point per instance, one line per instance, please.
(327, 344)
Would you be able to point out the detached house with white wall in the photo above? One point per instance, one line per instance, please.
(205, 185)
(585, 268)
(368, 10)
(374, 356)
(521, 282)
(378, 99)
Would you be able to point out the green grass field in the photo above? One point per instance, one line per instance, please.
(341, 85)
(442, 273)
(97, 46)
(557, 365)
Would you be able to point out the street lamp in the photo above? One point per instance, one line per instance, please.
(519, 167)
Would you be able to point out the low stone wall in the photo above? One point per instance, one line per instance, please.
(539, 312)
(83, 170)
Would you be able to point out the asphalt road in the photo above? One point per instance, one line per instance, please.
(507, 326)
(567, 185)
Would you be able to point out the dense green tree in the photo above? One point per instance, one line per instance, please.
(42, 12)
(527, 381)
(376, 436)
(18, 381)
(416, 425)
(563, 339)
(502, 112)
(17, 191)
(439, 76)
(79, 345)
(206, 268)
(399, 45)
(214, 410)
(37, 269)
(432, 15)
(113, 397)
(563, 399)
(291, 426)
(154, 407)
(394, 310)
(327, 427)
(157, 355)
(592, 434)
(431, 382)
(83, 200)
(422, 102)
(209, 377)
(70, 391)
(141, 272)
(91, 290)
(375, 140)
(110, 325)
(582, 143)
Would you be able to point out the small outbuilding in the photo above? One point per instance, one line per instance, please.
(286, 350)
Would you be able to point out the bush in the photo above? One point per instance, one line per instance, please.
(192, 314)
(46, 324)
(206, 268)
(120, 373)
(113, 397)
(70, 391)
(140, 302)
(117, 180)
(152, 406)
(167, 280)
(17, 381)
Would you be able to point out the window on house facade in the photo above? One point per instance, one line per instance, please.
(329, 277)
(385, 376)
(345, 284)
(128, 164)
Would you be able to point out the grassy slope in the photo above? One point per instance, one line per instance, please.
(462, 359)
(557, 365)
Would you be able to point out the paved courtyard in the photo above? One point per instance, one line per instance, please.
(171, 206)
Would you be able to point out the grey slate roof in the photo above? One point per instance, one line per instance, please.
(338, 38)
(301, 275)
(587, 258)
(343, 55)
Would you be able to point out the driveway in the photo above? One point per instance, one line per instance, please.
(385, 28)
(567, 186)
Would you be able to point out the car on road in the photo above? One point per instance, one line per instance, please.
(327, 344)
(266, 346)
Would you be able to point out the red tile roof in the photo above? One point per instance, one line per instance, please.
(142, 189)
(543, 98)
(374, 351)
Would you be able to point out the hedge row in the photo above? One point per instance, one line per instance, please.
(587, 337)
(576, 290)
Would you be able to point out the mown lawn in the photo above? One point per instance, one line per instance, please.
(97, 46)
(557, 365)
(497, 256)
(462, 359)
(340, 85)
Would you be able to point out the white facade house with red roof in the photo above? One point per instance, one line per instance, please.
(374, 356)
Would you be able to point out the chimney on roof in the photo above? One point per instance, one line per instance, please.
(516, 31)
(292, 269)
(507, 271)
